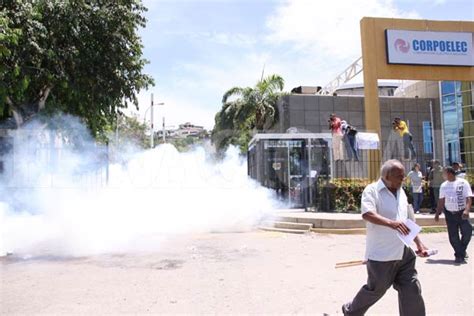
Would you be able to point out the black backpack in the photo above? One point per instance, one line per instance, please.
(351, 130)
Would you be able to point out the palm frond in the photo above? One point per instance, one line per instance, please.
(253, 109)
(235, 91)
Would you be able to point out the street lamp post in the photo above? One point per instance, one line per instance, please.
(164, 131)
(151, 123)
(152, 127)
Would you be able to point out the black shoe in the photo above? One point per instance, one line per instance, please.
(344, 311)
(459, 260)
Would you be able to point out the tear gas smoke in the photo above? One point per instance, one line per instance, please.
(55, 200)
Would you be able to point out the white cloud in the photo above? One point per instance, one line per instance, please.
(222, 38)
(231, 39)
(434, 2)
(327, 28)
(219, 75)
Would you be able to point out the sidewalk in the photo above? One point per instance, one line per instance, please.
(350, 223)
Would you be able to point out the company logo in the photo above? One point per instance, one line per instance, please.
(401, 46)
(440, 46)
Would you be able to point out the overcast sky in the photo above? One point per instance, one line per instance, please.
(198, 49)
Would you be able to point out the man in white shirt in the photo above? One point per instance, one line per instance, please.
(389, 262)
(455, 200)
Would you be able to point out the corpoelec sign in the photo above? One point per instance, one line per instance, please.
(429, 48)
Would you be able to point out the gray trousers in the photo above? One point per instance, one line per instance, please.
(381, 275)
(408, 145)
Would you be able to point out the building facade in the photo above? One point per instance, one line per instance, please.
(310, 114)
(457, 117)
(385, 89)
(295, 157)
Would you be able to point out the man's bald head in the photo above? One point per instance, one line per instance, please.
(392, 173)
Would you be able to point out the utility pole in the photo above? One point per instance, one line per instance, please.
(116, 128)
(151, 123)
(164, 131)
(152, 126)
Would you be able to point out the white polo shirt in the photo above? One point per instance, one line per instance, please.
(383, 243)
(455, 194)
(416, 181)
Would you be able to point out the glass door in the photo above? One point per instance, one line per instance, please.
(296, 172)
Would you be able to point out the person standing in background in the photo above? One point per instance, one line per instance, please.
(415, 179)
(460, 173)
(435, 179)
(336, 131)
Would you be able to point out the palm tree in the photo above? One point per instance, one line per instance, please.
(256, 107)
(247, 110)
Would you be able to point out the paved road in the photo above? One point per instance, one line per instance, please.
(238, 273)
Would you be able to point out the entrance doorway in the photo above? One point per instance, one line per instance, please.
(291, 164)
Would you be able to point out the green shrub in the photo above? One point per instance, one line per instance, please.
(345, 193)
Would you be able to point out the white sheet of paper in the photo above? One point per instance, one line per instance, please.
(414, 230)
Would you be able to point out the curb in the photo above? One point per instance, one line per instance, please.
(362, 231)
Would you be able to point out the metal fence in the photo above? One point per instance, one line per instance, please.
(391, 148)
(30, 157)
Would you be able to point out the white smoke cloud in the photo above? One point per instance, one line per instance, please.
(56, 201)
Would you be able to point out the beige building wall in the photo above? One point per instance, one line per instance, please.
(420, 89)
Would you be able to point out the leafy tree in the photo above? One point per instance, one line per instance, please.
(130, 129)
(184, 144)
(246, 111)
(81, 57)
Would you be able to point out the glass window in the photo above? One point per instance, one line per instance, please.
(427, 138)
(457, 86)
(460, 121)
(468, 129)
(452, 152)
(466, 98)
(465, 86)
(458, 118)
(468, 113)
(468, 144)
(450, 118)
(447, 87)
(449, 102)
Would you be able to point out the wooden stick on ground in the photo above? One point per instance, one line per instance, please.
(349, 263)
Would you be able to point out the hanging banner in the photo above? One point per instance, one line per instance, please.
(368, 141)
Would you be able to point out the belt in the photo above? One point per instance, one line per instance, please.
(461, 210)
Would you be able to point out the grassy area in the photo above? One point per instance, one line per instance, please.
(434, 229)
